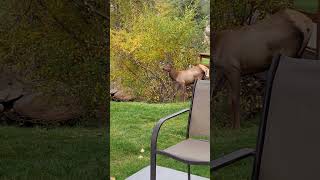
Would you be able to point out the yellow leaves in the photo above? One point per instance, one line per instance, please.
(164, 8)
(116, 38)
(141, 155)
(133, 43)
(124, 41)
(136, 52)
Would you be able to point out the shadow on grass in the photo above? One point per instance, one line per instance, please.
(57, 153)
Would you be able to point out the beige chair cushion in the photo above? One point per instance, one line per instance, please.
(200, 115)
(291, 143)
(191, 150)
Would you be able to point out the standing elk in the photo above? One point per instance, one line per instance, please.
(250, 50)
(187, 77)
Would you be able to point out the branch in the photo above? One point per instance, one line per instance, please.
(96, 11)
(61, 24)
(19, 16)
(86, 5)
(146, 70)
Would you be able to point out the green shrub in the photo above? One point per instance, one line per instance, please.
(136, 52)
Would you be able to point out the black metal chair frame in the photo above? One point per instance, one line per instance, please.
(154, 139)
(244, 153)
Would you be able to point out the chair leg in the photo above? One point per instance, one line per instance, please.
(153, 166)
(189, 172)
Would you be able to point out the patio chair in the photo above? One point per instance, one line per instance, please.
(288, 145)
(193, 150)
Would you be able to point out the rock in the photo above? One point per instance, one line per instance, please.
(121, 95)
(11, 93)
(16, 91)
(3, 95)
(113, 88)
(10, 88)
(38, 108)
(113, 91)
(21, 105)
(118, 93)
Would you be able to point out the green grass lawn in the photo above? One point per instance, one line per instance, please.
(227, 141)
(131, 127)
(58, 153)
(205, 61)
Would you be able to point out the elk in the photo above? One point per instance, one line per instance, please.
(250, 49)
(186, 77)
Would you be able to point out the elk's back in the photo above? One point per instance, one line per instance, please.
(250, 49)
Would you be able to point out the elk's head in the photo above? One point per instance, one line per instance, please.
(167, 67)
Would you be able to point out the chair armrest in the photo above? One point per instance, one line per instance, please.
(156, 129)
(231, 158)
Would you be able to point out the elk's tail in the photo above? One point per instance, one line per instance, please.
(307, 31)
(205, 70)
(305, 26)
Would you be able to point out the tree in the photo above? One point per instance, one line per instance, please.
(123, 12)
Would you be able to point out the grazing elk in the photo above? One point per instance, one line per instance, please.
(250, 50)
(186, 77)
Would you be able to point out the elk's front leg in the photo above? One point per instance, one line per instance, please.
(180, 90)
(176, 89)
(234, 92)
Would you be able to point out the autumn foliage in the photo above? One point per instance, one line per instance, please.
(152, 37)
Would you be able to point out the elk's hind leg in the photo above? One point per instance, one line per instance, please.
(176, 90)
(184, 91)
(234, 91)
(180, 91)
(219, 81)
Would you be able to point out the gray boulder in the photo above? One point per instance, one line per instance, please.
(10, 88)
(118, 93)
(40, 109)
(122, 95)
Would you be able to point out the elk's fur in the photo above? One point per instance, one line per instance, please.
(184, 78)
(250, 49)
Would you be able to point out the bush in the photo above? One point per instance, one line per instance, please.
(136, 52)
(228, 14)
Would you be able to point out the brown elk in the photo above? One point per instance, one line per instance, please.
(186, 77)
(250, 49)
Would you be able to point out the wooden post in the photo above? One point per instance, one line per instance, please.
(204, 55)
